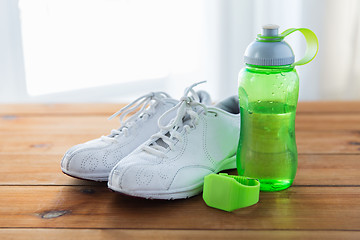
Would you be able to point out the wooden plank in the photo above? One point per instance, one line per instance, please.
(335, 170)
(328, 142)
(60, 109)
(59, 124)
(310, 142)
(327, 122)
(41, 143)
(329, 107)
(37, 169)
(297, 208)
(115, 234)
(100, 124)
(340, 170)
(109, 108)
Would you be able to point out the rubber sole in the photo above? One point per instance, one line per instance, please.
(181, 193)
(88, 178)
(91, 177)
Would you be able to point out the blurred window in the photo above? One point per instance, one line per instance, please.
(76, 44)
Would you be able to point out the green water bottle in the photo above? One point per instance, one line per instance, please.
(268, 94)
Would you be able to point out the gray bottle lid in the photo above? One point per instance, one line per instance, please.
(269, 49)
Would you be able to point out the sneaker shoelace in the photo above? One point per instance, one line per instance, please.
(187, 117)
(147, 102)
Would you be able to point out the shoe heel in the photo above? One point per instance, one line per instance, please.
(229, 163)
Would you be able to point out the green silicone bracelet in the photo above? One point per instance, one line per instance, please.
(228, 192)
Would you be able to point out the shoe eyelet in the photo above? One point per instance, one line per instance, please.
(214, 114)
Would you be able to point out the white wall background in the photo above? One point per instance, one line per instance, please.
(116, 50)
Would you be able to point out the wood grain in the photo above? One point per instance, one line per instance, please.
(115, 234)
(109, 108)
(328, 142)
(37, 201)
(308, 142)
(58, 124)
(339, 107)
(335, 170)
(86, 124)
(60, 109)
(313, 170)
(315, 208)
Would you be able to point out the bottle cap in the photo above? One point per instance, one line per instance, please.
(270, 49)
(228, 192)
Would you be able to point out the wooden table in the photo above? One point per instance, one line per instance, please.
(38, 201)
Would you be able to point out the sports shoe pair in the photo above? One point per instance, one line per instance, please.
(165, 149)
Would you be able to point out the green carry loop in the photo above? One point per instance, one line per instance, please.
(228, 192)
(312, 44)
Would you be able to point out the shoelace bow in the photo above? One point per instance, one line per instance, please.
(168, 133)
(131, 107)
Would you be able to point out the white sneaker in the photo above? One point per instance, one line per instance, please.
(172, 164)
(94, 160)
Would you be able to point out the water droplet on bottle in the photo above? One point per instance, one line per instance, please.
(258, 101)
(273, 93)
(271, 101)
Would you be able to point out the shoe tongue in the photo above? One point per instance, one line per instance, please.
(161, 142)
(185, 121)
(165, 100)
(169, 100)
(204, 97)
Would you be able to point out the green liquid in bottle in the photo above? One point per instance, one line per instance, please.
(267, 148)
